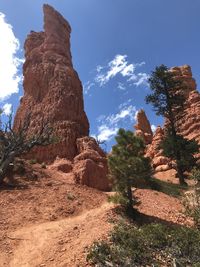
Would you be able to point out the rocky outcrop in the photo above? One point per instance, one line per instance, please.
(187, 121)
(90, 165)
(143, 127)
(53, 94)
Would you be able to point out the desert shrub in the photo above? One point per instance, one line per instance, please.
(14, 144)
(43, 165)
(191, 200)
(70, 196)
(148, 245)
(195, 174)
(33, 161)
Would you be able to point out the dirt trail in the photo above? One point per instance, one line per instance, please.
(50, 221)
(59, 243)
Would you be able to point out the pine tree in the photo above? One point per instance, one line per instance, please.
(168, 100)
(127, 165)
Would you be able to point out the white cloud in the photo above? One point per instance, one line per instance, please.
(127, 112)
(106, 132)
(135, 117)
(99, 68)
(153, 128)
(120, 67)
(87, 86)
(142, 78)
(9, 62)
(121, 86)
(110, 124)
(7, 109)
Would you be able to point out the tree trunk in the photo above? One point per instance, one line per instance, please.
(178, 157)
(130, 199)
(181, 176)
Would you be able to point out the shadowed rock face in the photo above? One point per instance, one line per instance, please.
(187, 121)
(52, 89)
(53, 93)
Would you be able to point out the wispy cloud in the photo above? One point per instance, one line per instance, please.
(7, 109)
(121, 86)
(87, 86)
(105, 132)
(9, 62)
(110, 124)
(121, 68)
(153, 128)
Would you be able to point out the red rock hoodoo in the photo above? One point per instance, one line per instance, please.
(187, 121)
(53, 93)
(143, 127)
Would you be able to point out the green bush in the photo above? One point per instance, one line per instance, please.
(33, 161)
(195, 174)
(149, 245)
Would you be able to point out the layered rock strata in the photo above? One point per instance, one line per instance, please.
(52, 89)
(187, 121)
(90, 165)
(53, 94)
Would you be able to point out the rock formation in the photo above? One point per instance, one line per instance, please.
(53, 94)
(143, 127)
(90, 165)
(187, 121)
(153, 151)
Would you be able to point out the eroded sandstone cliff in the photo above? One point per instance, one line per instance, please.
(187, 121)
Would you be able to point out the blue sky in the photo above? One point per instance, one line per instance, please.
(115, 46)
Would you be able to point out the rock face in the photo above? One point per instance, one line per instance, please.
(90, 166)
(52, 89)
(143, 127)
(53, 93)
(153, 151)
(187, 121)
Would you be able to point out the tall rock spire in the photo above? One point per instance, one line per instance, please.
(143, 127)
(52, 89)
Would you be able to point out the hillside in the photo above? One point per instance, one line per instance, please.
(50, 221)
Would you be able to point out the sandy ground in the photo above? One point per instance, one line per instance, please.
(51, 221)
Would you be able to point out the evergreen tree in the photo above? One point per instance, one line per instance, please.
(168, 99)
(187, 149)
(127, 164)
